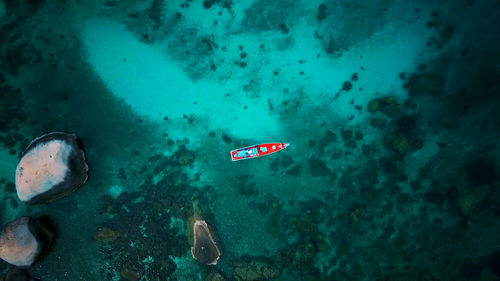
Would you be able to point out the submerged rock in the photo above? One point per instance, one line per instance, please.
(481, 170)
(204, 249)
(53, 166)
(24, 240)
(347, 86)
(130, 275)
(105, 235)
(400, 144)
(183, 156)
(318, 168)
(471, 200)
(322, 12)
(387, 105)
(17, 274)
(254, 271)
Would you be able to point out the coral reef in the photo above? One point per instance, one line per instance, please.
(254, 270)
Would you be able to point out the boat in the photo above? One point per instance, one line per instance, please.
(257, 150)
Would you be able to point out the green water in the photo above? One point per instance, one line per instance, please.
(389, 106)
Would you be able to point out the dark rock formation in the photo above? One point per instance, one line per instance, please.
(53, 166)
(204, 249)
(25, 240)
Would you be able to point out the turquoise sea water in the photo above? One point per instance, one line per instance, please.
(391, 109)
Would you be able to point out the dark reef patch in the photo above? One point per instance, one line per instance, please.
(265, 15)
(318, 168)
(322, 12)
(351, 30)
(226, 4)
(481, 170)
(406, 124)
(346, 86)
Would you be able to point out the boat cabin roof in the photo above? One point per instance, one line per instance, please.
(247, 152)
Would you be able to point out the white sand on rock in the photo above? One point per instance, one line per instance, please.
(42, 168)
(18, 246)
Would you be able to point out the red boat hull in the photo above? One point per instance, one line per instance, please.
(257, 150)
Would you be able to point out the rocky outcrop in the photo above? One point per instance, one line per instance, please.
(24, 240)
(53, 166)
(105, 235)
(205, 249)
